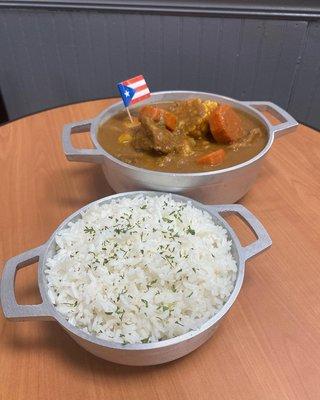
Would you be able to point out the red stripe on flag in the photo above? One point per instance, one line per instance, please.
(140, 98)
(133, 80)
(139, 88)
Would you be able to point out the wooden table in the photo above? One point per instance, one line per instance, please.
(268, 347)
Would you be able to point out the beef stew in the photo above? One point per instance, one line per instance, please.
(184, 136)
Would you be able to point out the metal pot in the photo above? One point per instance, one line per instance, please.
(132, 354)
(213, 187)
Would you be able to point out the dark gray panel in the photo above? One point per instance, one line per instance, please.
(45, 67)
(228, 55)
(249, 56)
(49, 66)
(117, 46)
(101, 55)
(82, 43)
(153, 51)
(16, 31)
(17, 83)
(12, 86)
(267, 62)
(292, 45)
(50, 58)
(135, 39)
(28, 56)
(209, 43)
(172, 59)
(63, 46)
(47, 62)
(304, 101)
(313, 114)
(190, 53)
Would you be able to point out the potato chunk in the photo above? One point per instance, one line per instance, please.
(193, 115)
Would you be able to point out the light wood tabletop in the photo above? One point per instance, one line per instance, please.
(267, 347)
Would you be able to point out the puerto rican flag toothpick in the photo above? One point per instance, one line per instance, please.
(133, 90)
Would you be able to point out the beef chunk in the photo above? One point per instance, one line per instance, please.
(152, 136)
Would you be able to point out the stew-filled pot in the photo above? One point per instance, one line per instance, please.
(216, 187)
(135, 353)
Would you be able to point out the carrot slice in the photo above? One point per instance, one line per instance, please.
(214, 158)
(156, 114)
(225, 124)
(151, 112)
(170, 120)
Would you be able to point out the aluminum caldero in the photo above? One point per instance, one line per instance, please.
(140, 353)
(213, 187)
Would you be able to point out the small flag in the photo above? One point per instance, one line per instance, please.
(133, 90)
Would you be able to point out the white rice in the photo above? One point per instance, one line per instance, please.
(141, 270)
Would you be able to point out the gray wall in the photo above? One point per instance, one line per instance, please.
(54, 57)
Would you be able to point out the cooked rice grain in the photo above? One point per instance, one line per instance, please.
(141, 270)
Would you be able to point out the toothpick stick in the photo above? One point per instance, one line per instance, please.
(128, 111)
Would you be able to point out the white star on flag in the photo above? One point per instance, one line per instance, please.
(126, 93)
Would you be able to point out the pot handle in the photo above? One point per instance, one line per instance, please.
(73, 154)
(11, 309)
(263, 239)
(288, 123)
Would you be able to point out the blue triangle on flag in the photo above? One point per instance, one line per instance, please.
(126, 93)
